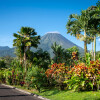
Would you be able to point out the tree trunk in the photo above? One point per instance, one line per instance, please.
(20, 60)
(85, 44)
(25, 58)
(94, 46)
(92, 50)
(85, 47)
(20, 57)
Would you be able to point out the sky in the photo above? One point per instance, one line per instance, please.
(42, 15)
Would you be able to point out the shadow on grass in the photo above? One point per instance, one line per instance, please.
(92, 98)
(51, 92)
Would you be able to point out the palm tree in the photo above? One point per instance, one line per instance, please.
(78, 24)
(94, 23)
(19, 46)
(26, 38)
(58, 52)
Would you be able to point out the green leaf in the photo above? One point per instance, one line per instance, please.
(83, 83)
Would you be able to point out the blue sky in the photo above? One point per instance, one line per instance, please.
(42, 15)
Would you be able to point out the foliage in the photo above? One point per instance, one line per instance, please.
(36, 78)
(57, 72)
(97, 55)
(26, 38)
(15, 74)
(72, 56)
(66, 56)
(40, 58)
(18, 73)
(2, 64)
(88, 22)
(88, 59)
(2, 76)
(83, 77)
(58, 52)
(77, 24)
(94, 23)
(7, 60)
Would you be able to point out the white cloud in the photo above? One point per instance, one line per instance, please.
(56, 32)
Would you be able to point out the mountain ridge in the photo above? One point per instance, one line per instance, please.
(48, 39)
(46, 42)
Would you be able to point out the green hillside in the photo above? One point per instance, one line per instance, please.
(48, 39)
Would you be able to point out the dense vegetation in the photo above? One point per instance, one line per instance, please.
(67, 70)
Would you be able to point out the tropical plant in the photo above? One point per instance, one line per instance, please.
(78, 24)
(2, 64)
(2, 76)
(41, 59)
(88, 59)
(58, 72)
(58, 52)
(36, 78)
(62, 55)
(7, 60)
(84, 77)
(71, 56)
(26, 38)
(94, 23)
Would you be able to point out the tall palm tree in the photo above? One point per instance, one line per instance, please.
(19, 46)
(78, 24)
(26, 38)
(94, 23)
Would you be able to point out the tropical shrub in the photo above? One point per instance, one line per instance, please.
(6, 61)
(98, 55)
(83, 77)
(58, 72)
(41, 59)
(36, 78)
(71, 56)
(2, 64)
(15, 74)
(2, 76)
(8, 75)
(88, 59)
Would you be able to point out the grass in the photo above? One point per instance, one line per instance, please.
(55, 94)
(69, 95)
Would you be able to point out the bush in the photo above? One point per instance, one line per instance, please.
(36, 78)
(83, 77)
(2, 76)
(58, 72)
(2, 64)
(15, 74)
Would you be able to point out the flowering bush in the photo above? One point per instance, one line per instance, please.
(84, 77)
(75, 55)
(22, 83)
(15, 74)
(57, 72)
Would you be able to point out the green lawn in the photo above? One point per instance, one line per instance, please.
(55, 94)
(69, 95)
